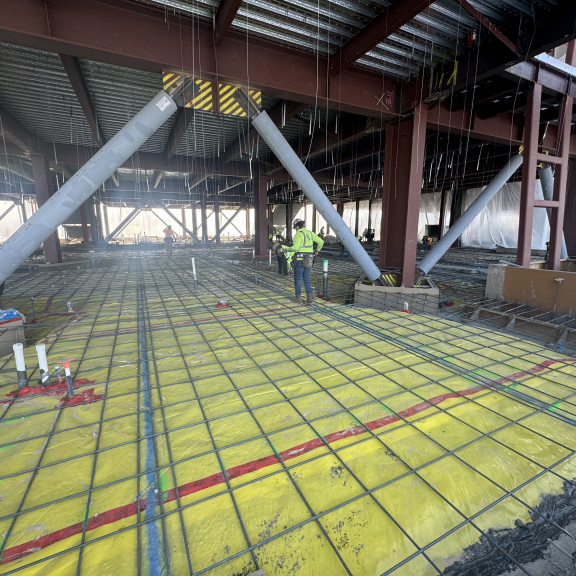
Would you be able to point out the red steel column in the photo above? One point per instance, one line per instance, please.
(561, 173)
(531, 132)
(41, 173)
(261, 224)
(403, 165)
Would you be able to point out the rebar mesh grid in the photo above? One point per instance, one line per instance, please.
(262, 434)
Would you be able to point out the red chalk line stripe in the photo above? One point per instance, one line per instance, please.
(123, 512)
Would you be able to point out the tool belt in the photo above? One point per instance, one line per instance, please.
(307, 258)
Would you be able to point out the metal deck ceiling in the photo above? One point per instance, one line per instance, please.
(36, 90)
(324, 26)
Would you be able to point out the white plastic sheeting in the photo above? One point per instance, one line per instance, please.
(430, 211)
(497, 225)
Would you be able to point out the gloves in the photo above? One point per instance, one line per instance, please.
(284, 248)
(315, 253)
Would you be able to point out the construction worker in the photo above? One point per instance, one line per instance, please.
(169, 237)
(303, 252)
(281, 257)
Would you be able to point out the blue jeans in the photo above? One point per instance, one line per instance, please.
(301, 273)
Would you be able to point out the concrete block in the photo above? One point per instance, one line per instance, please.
(422, 298)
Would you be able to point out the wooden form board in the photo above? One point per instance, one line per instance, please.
(540, 289)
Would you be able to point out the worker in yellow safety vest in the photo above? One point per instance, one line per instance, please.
(303, 252)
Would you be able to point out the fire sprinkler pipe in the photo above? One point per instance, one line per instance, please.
(431, 259)
(83, 184)
(278, 144)
(547, 182)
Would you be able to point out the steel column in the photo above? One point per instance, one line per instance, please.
(289, 212)
(41, 172)
(248, 228)
(204, 219)
(84, 222)
(183, 210)
(23, 211)
(403, 165)
(442, 213)
(106, 223)
(561, 173)
(260, 201)
(531, 132)
(430, 260)
(84, 183)
(547, 182)
(357, 219)
(216, 218)
(194, 222)
(278, 144)
(314, 218)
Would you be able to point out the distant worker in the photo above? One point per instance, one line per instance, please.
(303, 250)
(321, 233)
(169, 238)
(280, 256)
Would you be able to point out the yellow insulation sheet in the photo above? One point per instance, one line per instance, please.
(222, 440)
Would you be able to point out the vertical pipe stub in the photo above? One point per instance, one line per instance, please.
(69, 380)
(43, 364)
(20, 365)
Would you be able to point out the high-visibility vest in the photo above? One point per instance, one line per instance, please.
(308, 244)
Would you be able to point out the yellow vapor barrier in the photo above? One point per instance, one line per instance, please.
(214, 439)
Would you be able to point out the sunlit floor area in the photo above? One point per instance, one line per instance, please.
(218, 428)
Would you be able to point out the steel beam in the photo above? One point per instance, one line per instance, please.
(225, 15)
(279, 114)
(391, 19)
(229, 221)
(183, 119)
(76, 77)
(120, 33)
(7, 211)
(181, 224)
(488, 25)
(122, 225)
(431, 259)
(278, 144)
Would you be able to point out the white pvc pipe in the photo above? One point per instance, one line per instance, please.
(547, 183)
(43, 361)
(20, 365)
(194, 269)
(82, 185)
(19, 357)
(278, 144)
(431, 259)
